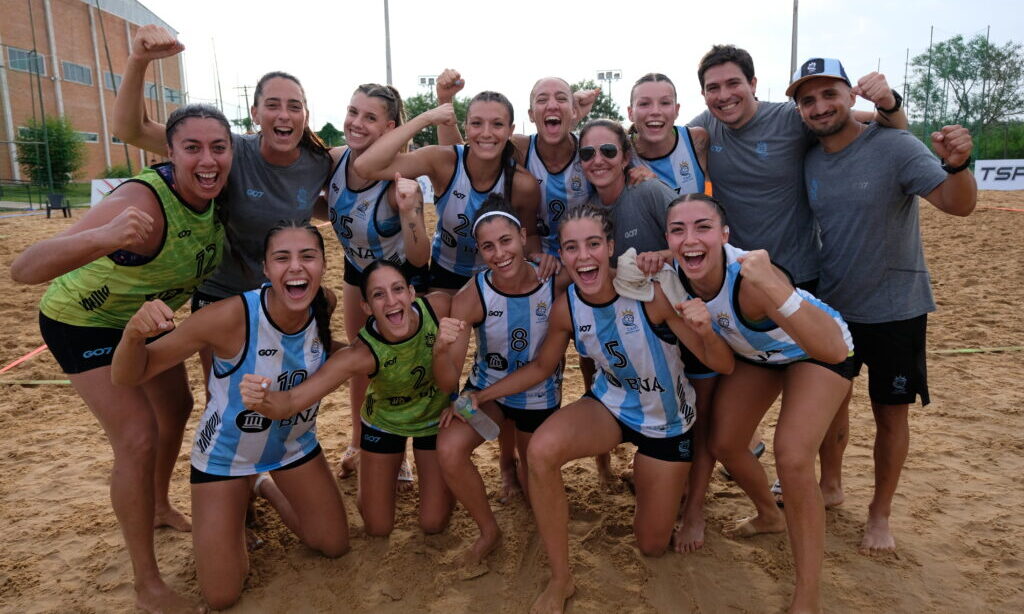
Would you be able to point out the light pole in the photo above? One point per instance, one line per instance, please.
(387, 40)
(608, 76)
(428, 82)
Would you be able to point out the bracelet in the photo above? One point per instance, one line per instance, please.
(791, 305)
(895, 107)
(952, 170)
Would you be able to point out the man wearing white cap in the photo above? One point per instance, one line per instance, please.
(863, 184)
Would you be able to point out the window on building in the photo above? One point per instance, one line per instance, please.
(111, 80)
(116, 141)
(26, 61)
(89, 137)
(76, 73)
(172, 95)
(150, 90)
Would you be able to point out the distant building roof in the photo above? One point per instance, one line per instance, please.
(131, 11)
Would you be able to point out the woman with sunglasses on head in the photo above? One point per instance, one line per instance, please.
(157, 234)
(281, 331)
(639, 395)
(462, 176)
(394, 350)
(509, 309)
(786, 342)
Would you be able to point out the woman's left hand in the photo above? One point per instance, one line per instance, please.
(547, 265)
(695, 314)
(639, 174)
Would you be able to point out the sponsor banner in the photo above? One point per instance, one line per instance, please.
(999, 174)
(102, 187)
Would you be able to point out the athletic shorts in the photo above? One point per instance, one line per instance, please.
(80, 348)
(847, 369)
(443, 278)
(418, 276)
(526, 420)
(895, 355)
(201, 477)
(202, 299)
(675, 449)
(383, 442)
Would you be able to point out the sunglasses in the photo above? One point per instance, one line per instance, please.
(608, 150)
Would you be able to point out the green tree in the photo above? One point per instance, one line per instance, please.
(414, 105)
(604, 106)
(245, 123)
(66, 149)
(970, 82)
(331, 135)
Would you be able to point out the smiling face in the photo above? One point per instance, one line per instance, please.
(280, 112)
(502, 246)
(488, 128)
(824, 104)
(602, 172)
(552, 109)
(388, 298)
(653, 110)
(294, 263)
(586, 253)
(695, 236)
(201, 153)
(728, 94)
(366, 120)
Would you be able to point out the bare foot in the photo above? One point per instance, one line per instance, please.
(349, 463)
(158, 598)
(552, 600)
(510, 486)
(484, 545)
(833, 497)
(878, 538)
(689, 536)
(605, 476)
(170, 517)
(748, 527)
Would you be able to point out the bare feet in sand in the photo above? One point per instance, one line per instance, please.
(878, 538)
(510, 487)
(170, 517)
(158, 598)
(349, 463)
(473, 559)
(748, 527)
(552, 600)
(833, 497)
(688, 536)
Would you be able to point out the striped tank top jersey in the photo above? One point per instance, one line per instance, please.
(403, 397)
(366, 225)
(513, 328)
(763, 341)
(454, 248)
(639, 368)
(109, 290)
(231, 440)
(560, 191)
(679, 169)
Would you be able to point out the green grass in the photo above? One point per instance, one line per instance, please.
(77, 193)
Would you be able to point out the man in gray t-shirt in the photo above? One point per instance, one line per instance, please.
(863, 185)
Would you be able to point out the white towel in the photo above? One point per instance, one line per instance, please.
(631, 283)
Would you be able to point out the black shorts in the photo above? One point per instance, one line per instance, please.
(526, 420)
(383, 442)
(201, 477)
(443, 278)
(675, 449)
(79, 348)
(693, 368)
(202, 299)
(895, 355)
(418, 276)
(847, 369)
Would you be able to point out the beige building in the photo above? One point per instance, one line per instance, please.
(65, 44)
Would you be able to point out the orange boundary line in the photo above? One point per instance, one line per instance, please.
(23, 358)
(1002, 208)
(322, 224)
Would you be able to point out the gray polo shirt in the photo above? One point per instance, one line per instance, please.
(864, 198)
(758, 176)
(638, 216)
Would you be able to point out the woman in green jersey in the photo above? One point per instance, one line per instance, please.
(154, 236)
(395, 351)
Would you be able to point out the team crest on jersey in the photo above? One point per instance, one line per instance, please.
(576, 182)
(496, 362)
(629, 320)
(684, 169)
(541, 310)
(762, 150)
(362, 207)
(431, 338)
(314, 348)
(723, 320)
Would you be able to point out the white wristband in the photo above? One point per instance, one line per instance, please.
(791, 305)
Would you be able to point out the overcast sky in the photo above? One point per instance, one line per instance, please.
(505, 46)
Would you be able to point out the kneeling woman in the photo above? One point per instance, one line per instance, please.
(281, 332)
(394, 350)
(640, 395)
(786, 341)
(509, 308)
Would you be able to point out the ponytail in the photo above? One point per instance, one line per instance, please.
(508, 167)
(310, 140)
(322, 315)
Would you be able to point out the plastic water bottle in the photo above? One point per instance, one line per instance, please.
(477, 419)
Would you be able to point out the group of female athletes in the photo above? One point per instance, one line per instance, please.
(523, 257)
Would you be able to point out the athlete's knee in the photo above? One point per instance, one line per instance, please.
(792, 459)
(651, 544)
(378, 527)
(544, 453)
(330, 545)
(451, 452)
(723, 447)
(221, 595)
(432, 524)
(135, 446)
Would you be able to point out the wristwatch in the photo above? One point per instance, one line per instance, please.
(896, 107)
(952, 170)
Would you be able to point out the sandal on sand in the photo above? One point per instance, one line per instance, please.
(351, 455)
(777, 491)
(758, 451)
(405, 471)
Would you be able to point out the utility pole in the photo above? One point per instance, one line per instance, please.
(792, 49)
(387, 40)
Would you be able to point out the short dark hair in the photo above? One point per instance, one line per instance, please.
(722, 54)
(201, 111)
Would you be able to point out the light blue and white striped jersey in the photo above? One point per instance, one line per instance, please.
(366, 225)
(560, 191)
(679, 169)
(513, 328)
(231, 440)
(639, 368)
(454, 248)
(760, 341)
